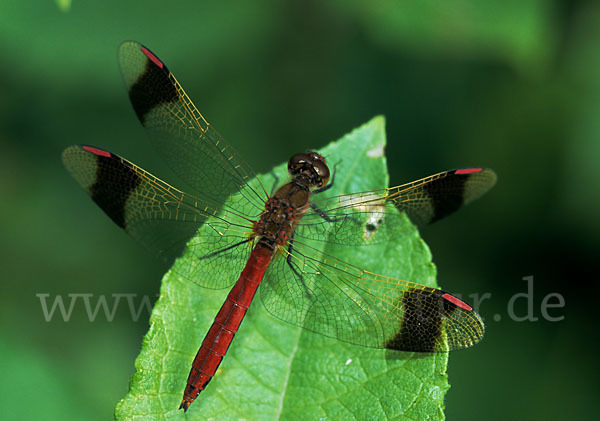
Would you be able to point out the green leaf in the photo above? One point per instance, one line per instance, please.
(276, 370)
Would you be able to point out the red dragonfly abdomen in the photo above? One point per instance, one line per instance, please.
(228, 319)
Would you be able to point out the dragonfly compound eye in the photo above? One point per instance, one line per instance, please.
(322, 172)
(316, 157)
(297, 163)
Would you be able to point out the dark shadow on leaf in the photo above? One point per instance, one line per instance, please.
(406, 356)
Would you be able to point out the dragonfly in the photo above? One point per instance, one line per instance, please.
(269, 237)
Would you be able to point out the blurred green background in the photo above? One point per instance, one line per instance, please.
(509, 84)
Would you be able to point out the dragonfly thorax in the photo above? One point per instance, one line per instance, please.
(308, 170)
(282, 213)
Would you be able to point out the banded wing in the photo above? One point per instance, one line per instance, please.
(325, 295)
(372, 216)
(189, 144)
(161, 217)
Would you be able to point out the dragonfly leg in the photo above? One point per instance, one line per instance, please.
(292, 266)
(214, 253)
(327, 218)
(318, 210)
(322, 214)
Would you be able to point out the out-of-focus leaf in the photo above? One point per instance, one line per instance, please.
(64, 5)
(515, 31)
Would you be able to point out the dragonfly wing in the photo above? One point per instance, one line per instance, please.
(161, 217)
(372, 217)
(355, 219)
(437, 196)
(189, 144)
(316, 303)
(336, 299)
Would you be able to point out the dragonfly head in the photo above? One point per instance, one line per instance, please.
(310, 168)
